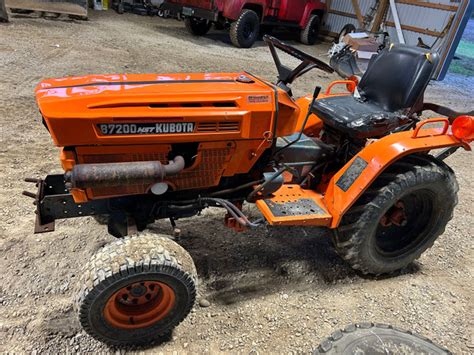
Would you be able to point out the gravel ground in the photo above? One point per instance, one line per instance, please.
(274, 290)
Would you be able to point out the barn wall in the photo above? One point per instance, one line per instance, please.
(436, 18)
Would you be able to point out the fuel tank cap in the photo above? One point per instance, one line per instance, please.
(244, 79)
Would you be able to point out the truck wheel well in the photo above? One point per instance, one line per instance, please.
(254, 7)
(320, 13)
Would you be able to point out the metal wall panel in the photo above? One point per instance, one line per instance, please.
(414, 20)
(335, 22)
(426, 18)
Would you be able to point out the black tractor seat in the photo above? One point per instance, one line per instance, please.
(391, 91)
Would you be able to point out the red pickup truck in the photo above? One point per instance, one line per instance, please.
(245, 18)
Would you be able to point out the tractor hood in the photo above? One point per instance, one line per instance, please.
(109, 109)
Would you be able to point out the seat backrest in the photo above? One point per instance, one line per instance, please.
(397, 78)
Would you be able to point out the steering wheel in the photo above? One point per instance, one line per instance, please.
(308, 62)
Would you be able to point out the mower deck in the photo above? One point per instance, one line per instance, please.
(292, 205)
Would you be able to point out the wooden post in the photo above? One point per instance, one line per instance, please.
(382, 9)
(360, 18)
(3, 12)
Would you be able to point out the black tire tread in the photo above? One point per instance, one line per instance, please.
(400, 174)
(304, 36)
(327, 344)
(132, 255)
(234, 27)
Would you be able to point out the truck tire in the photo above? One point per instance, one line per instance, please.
(309, 34)
(120, 8)
(244, 31)
(197, 26)
(370, 338)
(135, 290)
(400, 216)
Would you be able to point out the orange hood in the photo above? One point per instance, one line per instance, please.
(74, 106)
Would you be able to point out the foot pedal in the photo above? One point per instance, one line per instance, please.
(292, 205)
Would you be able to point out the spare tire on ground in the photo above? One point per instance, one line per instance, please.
(374, 338)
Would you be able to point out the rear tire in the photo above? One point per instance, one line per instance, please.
(197, 26)
(310, 33)
(136, 290)
(120, 8)
(400, 216)
(244, 31)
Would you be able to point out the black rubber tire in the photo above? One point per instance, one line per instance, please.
(309, 34)
(244, 31)
(427, 187)
(349, 28)
(125, 261)
(370, 338)
(120, 8)
(197, 26)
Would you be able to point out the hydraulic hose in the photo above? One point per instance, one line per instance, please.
(236, 213)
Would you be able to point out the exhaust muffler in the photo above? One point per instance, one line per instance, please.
(120, 174)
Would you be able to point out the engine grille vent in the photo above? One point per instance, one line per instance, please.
(212, 162)
(225, 126)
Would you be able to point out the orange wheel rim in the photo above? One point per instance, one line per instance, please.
(139, 305)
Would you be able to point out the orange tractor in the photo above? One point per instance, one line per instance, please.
(137, 148)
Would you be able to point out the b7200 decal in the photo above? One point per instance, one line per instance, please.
(111, 129)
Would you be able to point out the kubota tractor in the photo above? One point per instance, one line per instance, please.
(137, 148)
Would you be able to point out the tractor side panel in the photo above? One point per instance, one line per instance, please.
(223, 124)
(356, 176)
(149, 108)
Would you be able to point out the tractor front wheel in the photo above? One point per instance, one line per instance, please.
(136, 289)
(399, 216)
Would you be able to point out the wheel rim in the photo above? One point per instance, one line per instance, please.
(406, 224)
(313, 32)
(247, 31)
(139, 305)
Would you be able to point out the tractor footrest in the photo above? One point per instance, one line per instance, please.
(292, 205)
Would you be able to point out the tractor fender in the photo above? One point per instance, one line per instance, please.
(356, 176)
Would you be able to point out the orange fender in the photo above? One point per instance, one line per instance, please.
(355, 177)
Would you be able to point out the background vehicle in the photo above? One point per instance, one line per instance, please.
(246, 18)
(136, 148)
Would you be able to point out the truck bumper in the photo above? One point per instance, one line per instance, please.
(189, 11)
